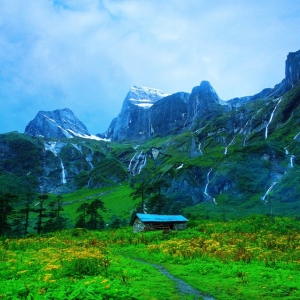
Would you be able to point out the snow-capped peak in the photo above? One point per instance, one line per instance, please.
(145, 96)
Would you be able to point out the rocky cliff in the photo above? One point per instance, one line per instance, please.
(133, 122)
(60, 123)
(147, 112)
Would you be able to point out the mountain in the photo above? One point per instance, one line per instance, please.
(148, 112)
(211, 157)
(133, 120)
(57, 124)
(56, 166)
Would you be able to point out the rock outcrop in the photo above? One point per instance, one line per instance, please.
(133, 122)
(147, 112)
(292, 69)
(57, 124)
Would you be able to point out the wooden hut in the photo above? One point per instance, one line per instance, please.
(144, 222)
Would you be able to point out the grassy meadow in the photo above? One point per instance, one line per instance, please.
(253, 258)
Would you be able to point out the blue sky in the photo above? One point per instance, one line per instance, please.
(85, 55)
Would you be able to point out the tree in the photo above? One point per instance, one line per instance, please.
(89, 215)
(156, 203)
(26, 211)
(6, 210)
(96, 221)
(157, 200)
(81, 219)
(140, 191)
(55, 221)
(39, 224)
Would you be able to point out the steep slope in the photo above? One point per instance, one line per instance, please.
(56, 166)
(235, 158)
(133, 120)
(148, 112)
(239, 161)
(57, 124)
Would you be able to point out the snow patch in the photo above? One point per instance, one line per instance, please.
(145, 97)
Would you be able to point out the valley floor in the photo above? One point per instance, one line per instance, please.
(253, 258)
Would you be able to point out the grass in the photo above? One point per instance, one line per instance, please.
(116, 200)
(253, 258)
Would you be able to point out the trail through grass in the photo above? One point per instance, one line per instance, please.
(246, 259)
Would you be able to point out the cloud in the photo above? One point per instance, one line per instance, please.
(85, 55)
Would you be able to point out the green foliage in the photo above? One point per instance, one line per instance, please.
(90, 216)
(251, 258)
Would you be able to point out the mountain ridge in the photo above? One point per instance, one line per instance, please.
(134, 124)
(225, 158)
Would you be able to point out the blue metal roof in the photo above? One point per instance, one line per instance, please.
(161, 218)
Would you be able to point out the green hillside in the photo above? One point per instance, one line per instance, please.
(241, 162)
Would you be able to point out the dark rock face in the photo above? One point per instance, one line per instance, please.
(292, 69)
(202, 98)
(147, 112)
(292, 75)
(133, 122)
(60, 123)
(169, 115)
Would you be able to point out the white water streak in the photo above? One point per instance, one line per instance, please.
(296, 135)
(271, 117)
(206, 186)
(129, 167)
(241, 131)
(142, 165)
(291, 157)
(292, 160)
(63, 173)
(199, 148)
(268, 191)
(225, 151)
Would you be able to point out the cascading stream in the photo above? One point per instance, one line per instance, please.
(51, 146)
(271, 117)
(226, 148)
(291, 156)
(206, 186)
(137, 163)
(268, 191)
(63, 173)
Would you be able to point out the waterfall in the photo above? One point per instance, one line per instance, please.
(225, 151)
(206, 186)
(199, 148)
(271, 117)
(291, 157)
(129, 167)
(241, 131)
(292, 160)
(142, 165)
(89, 159)
(63, 174)
(296, 135)
(88, 184)
(268, 191)
(137, 163)
(55, 148)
